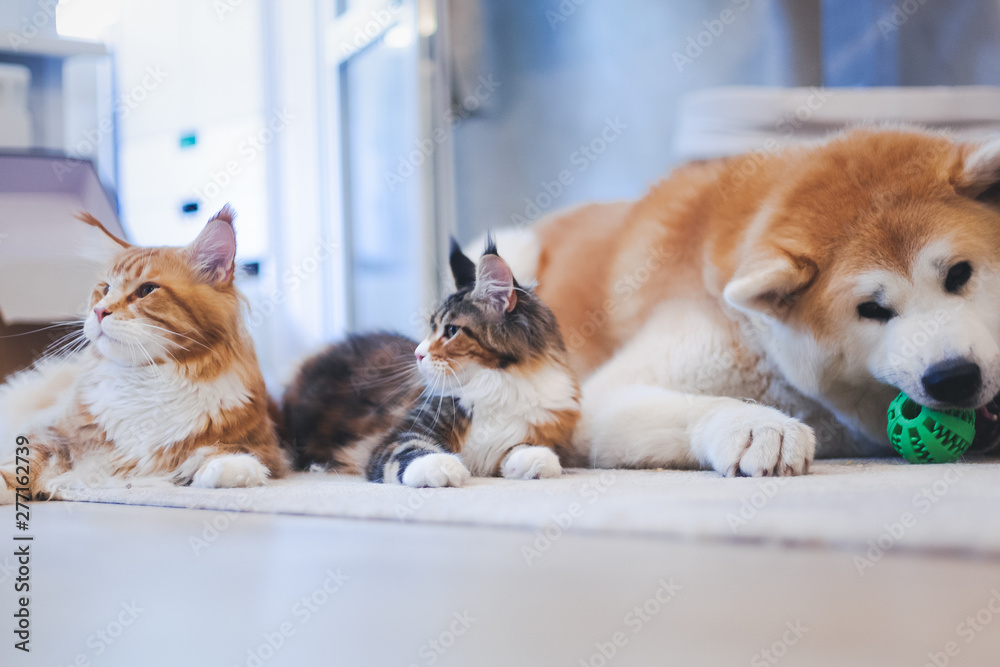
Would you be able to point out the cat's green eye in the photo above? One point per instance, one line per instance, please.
(450, 330)
(145, 289)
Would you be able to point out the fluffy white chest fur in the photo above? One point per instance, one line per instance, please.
(152, 407)
(505, 406)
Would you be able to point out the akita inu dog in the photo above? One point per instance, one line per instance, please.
(751, 312)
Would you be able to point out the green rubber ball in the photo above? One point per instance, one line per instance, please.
(922, 435)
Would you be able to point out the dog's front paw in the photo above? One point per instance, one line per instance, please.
(436, 470)
(531, 462)
(742, 439)
(230, 471)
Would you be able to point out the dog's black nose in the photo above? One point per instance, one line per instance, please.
(953, 381)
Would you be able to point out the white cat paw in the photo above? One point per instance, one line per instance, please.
(230, 471)
(743, 439)
(531, 463)
(436, 470)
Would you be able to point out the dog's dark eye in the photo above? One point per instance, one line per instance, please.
(869, 310)
(145, 290)
(450, 330)
(957, 276)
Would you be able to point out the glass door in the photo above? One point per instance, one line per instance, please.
(392, 159)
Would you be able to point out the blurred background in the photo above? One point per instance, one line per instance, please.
(354, 136)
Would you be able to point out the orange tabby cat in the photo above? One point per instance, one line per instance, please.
(167, 387)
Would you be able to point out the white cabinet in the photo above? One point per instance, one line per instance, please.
(193, 128)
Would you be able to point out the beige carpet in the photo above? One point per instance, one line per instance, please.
(841, 504)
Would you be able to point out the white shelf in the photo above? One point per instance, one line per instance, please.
(55, 47)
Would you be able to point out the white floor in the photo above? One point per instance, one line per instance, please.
(385, 593)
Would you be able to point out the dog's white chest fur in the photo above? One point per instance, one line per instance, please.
(152, 407)
(506, 406)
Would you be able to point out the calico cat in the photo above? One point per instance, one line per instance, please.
(166, 385)
(488, 392)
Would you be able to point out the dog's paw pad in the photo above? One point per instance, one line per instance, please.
(531, 463)
(436, 470)
(756, 441)
(230, 471)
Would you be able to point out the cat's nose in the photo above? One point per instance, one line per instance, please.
(420, 356)
(101, 313)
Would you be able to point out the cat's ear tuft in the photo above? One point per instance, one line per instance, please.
(491, 245)
(495, 284)
(213, 253)
(94, 222)
(463, 269)
(226, 214)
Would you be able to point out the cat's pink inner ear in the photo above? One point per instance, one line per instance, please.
(495, 283)
(213, 253)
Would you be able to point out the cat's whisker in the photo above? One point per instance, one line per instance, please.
(54, 325)
(457, 383)
(386, 379)
(404, 386)
(386, 369)
(61, 342)
(440, 402)
(174, 333)
(65, 345)
(149, 357)
(77, 331)
(429, 393)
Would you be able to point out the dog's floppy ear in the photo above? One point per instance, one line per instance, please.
(980, 175)
(767, 284)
